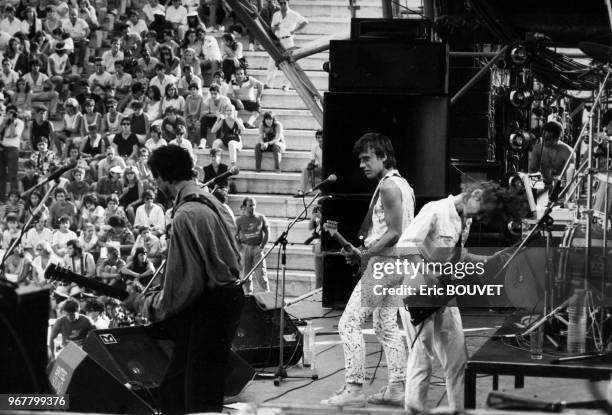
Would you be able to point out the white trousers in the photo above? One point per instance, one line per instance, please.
(442, 337)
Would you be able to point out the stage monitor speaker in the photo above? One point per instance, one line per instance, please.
(90, 387)
(402, 29)
(416, 125)
(388, 66)
(136, 355)
(257, 341)
(339, 279)
(24, 321)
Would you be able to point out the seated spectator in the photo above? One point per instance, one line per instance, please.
(139, 123)
(111, 160)
(272, 139)
(219, 80)
(30, 177)
(94, 309)
(108, 270)
(111, 121)
(113, 209)
(71, 127)
(14, 205)
(9, 77)
(85, 93)
(135, 23)
(181, 141)
(143, 172)
(61, 208)
(40, 127)
(62, 236)
(77, 187)
(18, 265)
(77, 261)
(32, 204)
(126, 142)
(11, 25)
(100, 77)
(156, 139)
(139, 268)
(176, 15)
(151, 245)
(161, 80)
(91, 212)
(94, 148)
(72, 326)
(153, 104)
(137, 95)
(193, 111)
(118, 233)
(22, 99)
(228, 128)
(90, 117)
(215, 168)
(168, 51)
(12, 230)
(147, 62)
(88, 239)
(112, 55)
(246, 92)
(150, 215)
(139, 76)
(311, 174)
(110, 184)
(42, 89)
(43, 257)
(170, 123)
(173, 99)
(210, 57)
(232, 54)
(212, 108)
(121, 82)
(189, 77)
(58, 66)
(132, 187)
(78, 30)
(44, 159)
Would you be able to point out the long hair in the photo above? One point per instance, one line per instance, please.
(156, 93)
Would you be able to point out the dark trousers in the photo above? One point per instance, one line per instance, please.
(276, 150)
(9, 157)
(203, 335)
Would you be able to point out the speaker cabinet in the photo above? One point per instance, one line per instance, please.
(339, 279)
(24, 320)
(91, 388)
(257, 340)
(416, 125)
(388, 66)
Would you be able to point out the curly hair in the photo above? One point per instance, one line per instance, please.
(500, 204)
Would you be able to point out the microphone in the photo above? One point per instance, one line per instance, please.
(54, 176)
(231, 172)
(332, 178)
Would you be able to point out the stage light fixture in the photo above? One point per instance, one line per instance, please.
(521, 140)
(519, 54)
(521, 98)
(326, 66)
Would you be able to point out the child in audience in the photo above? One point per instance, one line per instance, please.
(14, 206)
(62, 236)
(12, 230)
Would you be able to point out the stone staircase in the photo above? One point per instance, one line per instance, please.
(274, 191)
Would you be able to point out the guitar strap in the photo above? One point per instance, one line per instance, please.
(367, 221)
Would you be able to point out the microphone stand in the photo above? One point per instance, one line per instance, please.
(281, 371)
(27, 224)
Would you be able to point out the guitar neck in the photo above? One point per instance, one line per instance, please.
(341, 240)
(55, 272)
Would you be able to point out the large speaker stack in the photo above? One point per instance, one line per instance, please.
(389, 78)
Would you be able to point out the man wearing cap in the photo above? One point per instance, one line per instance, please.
(79, 31)
(10, 24)
(100, 76)
(150, 9)
(111, 160)
(109, 184)
(11, 130)
(42, 88)
(111, 56)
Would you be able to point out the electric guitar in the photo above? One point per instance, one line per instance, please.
(331, 227)
(55, 272)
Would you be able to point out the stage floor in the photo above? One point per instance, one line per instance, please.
(479, 325)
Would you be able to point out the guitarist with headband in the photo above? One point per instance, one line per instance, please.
(391, 210)
(438, 234)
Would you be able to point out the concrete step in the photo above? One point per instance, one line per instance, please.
(318, 78)
(297, 283)
(269, 205)
(259, 60)
(277, 98)
(299, 258)
(292, 161)
(267, 183)
(298, 234)
(326, 25)
(336, 8)
(291, 119)
(297, 140)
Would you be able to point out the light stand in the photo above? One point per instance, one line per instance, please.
(281, 372)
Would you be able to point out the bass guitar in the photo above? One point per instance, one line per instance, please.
(55, 272)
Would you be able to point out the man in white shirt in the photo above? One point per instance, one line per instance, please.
(121, 82)
(136, 24)
(187, 79)
(11, 130)
(150, 215)
(246, 92)
(9, 77)
(111, 56)
(182, 141)
(42, 88)
(311, 174)
(10, 24)
(79, 31)
(100, 77)
(150, 9)
(161, 80)
(177, 16)
(285, 23)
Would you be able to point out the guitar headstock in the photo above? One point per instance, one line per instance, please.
(331, 227)
(55, 272)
